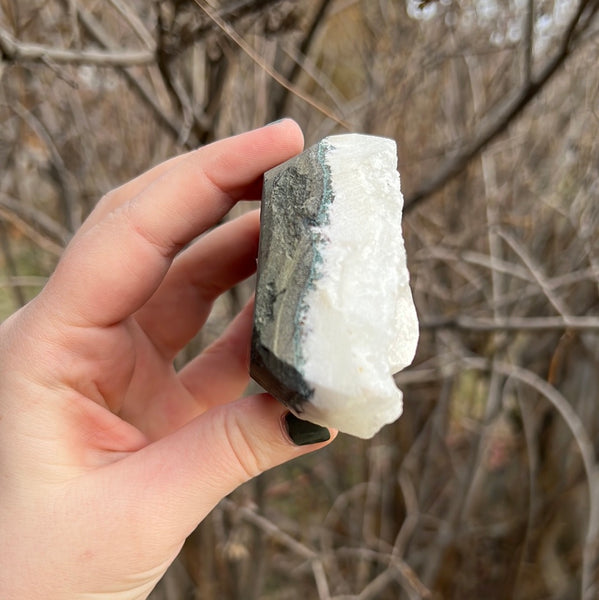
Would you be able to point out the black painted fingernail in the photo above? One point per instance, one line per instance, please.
(303, 432)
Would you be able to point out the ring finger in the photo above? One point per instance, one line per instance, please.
(212, 265)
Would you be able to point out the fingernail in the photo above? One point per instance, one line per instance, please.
(303, 432)
(276, 122)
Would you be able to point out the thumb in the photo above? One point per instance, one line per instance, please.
(185, 474)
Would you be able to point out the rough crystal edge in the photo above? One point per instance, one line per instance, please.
(298, 393)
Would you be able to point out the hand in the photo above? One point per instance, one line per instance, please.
(109, 458)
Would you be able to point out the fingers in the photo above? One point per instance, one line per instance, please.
(111, 269)
(132, 188)
(184, 475)
(218, 376)
(214, 264)
(221, 372)
(129, 190)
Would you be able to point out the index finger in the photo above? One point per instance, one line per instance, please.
(110, 269)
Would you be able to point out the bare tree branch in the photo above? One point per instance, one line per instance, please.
(535, 271)
(176, 91)
(317, 75)
(14, 50)
(235, 37)
(500, 117)
(70, 206)
(234, 11)
(21, 225)
(36, 219)
(402, 572)
(320, 577)
(529, 20)
(138, 84)
(299, 549)
(502, 266)
(587, 454)
(481, 324)
(304, 48)
(24, 281)
(271, 530)
(11, 265)
(135, 22)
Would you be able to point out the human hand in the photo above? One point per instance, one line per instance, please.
(109, 458)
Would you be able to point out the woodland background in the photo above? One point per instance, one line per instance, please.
(488, 486)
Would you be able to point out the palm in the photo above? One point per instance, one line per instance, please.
(137, 380)
(140, 384)
(124, 362)
(108, 456)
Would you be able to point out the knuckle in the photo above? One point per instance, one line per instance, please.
(152, 236)
(248, 459)
(235, 352)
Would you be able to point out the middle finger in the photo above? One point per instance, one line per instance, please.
(211, 266)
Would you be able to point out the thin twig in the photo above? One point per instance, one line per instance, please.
(11, 266)
(35, 219)
(311, 69)
(475, 258)
(274, 532)
(528, 45)
(39, 239)
(375, 587)
(176, 90)
(500, 117)
(501, 266)
(135, 22)
(138, 84)
(407, 577)
(69, 200)
(23, 281)
(303, 50)
(587, 453)
(14, 50)
(467, 323)
(535, 271)
(270, 529)
(320, 577)
(253, 55)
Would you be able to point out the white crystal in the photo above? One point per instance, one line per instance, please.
(360, 325)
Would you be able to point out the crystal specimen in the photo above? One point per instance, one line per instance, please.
(334, 317)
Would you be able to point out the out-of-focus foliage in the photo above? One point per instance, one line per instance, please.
(488, 486)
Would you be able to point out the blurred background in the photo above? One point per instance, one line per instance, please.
(488, 486)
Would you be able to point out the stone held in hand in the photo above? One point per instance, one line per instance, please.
(334, 316)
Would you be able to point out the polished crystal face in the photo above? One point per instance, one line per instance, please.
(334, 312)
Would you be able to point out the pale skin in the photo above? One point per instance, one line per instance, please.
(109, 458)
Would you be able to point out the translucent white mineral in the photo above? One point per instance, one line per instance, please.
(360, 326)
(334, 315)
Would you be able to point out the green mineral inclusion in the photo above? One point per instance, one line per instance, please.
(318, 241)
